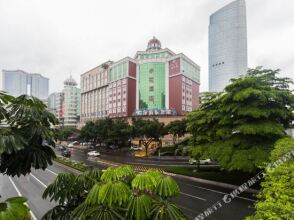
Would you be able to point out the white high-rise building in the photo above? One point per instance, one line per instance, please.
(227, 45)
(19, 82)
(71, 106)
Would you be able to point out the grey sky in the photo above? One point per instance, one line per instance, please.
(61, 37)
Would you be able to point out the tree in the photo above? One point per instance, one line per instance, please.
(65, 132)
(277, 195)
(25, 136)
(239, 127)
(147, 131)
(88, 132)
(177, 129)
(117, 193)
(119, 131)
(109, 131)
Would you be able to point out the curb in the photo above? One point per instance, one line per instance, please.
(72, 170)
(136, 168)
(214, 183)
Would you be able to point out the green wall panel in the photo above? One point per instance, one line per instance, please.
(156, 71)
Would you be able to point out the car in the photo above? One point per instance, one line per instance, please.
(70, 145)
(75, 143)
(94, 153)
(134, 147)
(65, 153)
(113, 147)
(61, 148)
(201, 162)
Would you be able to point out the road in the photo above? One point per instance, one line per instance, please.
(194, 197)
(126, 158)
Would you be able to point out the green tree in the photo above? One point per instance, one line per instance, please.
(25, 139)
(147, 131)
(239, 127)
(109, 131)
(177, 129)
(88, 132)
(119, 131)
(65, 132)
(117, 193)
(276, 198)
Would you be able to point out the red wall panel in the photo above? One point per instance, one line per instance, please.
(195, 95)
(132, 69)
(131, 96)
(175, 93)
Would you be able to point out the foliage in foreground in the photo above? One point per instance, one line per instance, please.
(25, 136)
(14, 208)
(117, 193)
(239, 127)
(277, 196)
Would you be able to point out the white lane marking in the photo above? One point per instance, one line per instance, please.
(19, 194)
(240, 197)
(195, 197)
(43, 184)
(52, 172)
(194, 212)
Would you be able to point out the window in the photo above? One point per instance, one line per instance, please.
(151, 79)
(151, 98)
(151, 89)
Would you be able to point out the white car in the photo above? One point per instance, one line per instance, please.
(201, 162)
(70, 145)
(134, 147)
(94, 153)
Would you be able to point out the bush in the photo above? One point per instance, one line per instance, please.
(277, 196)
(81, 166)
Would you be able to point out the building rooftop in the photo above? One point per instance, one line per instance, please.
(70, 82)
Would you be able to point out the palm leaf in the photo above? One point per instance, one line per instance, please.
(104, 213)
(116, 193)
(93, 196)
(14, 208)
(144, 182)
(167, 187)
(166, 210)
(119, 173)
(139, 207)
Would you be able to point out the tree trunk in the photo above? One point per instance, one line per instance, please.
(146, 150)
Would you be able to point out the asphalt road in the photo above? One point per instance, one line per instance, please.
(194, 197)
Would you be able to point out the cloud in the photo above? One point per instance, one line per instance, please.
(61, 37)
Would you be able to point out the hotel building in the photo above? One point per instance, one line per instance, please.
(155, 82)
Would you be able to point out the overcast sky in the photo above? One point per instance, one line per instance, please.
(61, 37)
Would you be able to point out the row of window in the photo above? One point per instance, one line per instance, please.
(122, 109)
(218, 64)
(93, 81)
(153, 56)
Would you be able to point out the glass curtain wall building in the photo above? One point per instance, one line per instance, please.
(227, 45)
(19, 82)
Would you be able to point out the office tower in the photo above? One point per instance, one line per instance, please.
(19, 82)
(227, 45)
